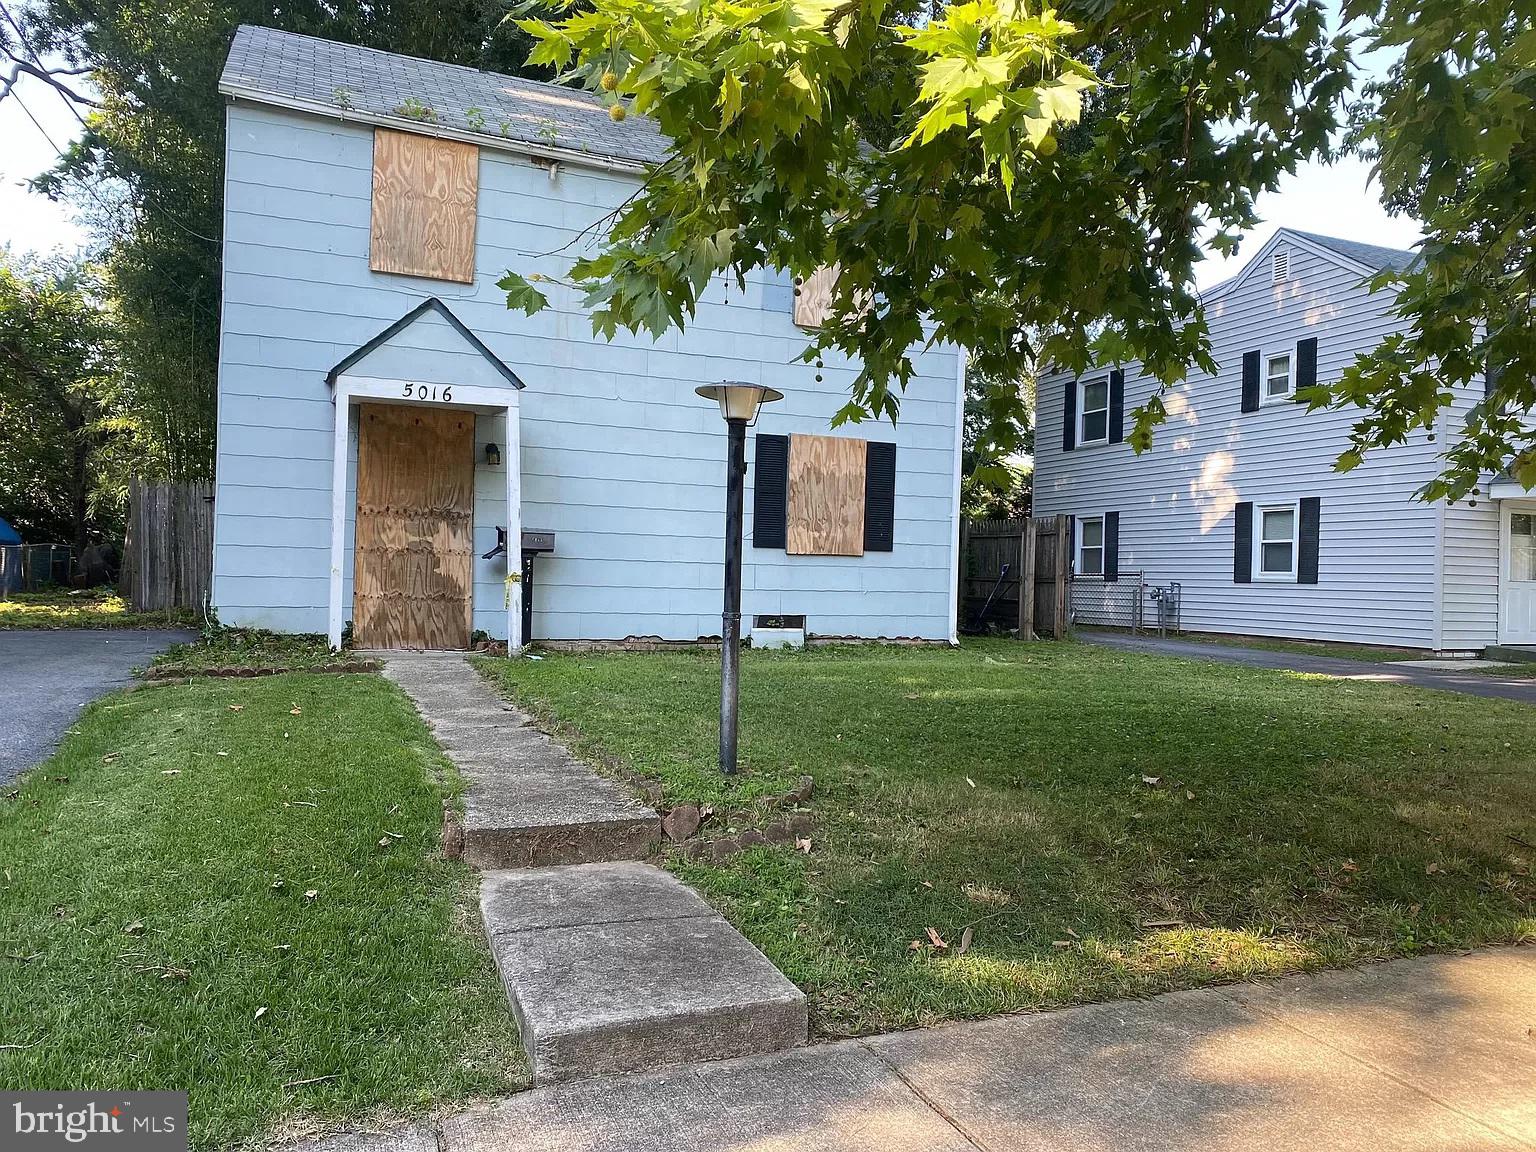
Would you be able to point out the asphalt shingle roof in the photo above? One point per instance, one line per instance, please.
(290, 70)
(1371, 255)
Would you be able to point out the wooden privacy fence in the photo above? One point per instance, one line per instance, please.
(168, 550)
(1014, 575)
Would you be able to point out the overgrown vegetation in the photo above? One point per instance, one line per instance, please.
(1071, 822)
(66, 407)
(91, 608)
(253, 651)
(235, 888)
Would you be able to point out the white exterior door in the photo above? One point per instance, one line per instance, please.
(1517, 586)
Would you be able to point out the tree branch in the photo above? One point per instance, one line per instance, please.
(49, 76)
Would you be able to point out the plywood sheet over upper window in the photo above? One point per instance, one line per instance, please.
(813, 297)
(424, 206)
(826, 496)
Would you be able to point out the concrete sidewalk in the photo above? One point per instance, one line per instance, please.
(1486, 684)
(1428, 1054)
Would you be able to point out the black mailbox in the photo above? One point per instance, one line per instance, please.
(534, 543)
(537, 542)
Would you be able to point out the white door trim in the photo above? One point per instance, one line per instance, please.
(353, 390)
(1507, 591)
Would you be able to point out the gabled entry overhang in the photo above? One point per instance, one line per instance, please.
(433, 305)
(443, 366)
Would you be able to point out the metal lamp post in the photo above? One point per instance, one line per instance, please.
(739, 405)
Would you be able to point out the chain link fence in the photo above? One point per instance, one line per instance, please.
(1129, 602)
(33, 567)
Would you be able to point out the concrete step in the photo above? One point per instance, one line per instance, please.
(528, 802)
(618, 967)
(1515, 653)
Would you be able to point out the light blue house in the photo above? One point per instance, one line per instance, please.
(1238, 499)
(382, 414)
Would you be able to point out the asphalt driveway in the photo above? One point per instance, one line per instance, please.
(47, 676)
(1485, 684)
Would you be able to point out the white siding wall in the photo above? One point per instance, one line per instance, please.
(1469, 614)
(620, 458)
(1377, 559)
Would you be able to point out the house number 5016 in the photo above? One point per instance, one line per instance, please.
(423, 392)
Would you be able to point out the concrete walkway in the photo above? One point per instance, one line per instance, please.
(1427, 1055)
(1482, 684)
(48, 675)
(611, 964)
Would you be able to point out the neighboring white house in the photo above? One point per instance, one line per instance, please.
(1238, 500)
(382, 413)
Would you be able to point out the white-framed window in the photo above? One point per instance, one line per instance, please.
(1279, 377)
(1090, 546)
(1275, 541)
(1093, 410)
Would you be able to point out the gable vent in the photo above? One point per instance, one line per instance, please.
(1280, 266)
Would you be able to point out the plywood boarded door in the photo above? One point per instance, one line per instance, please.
(413, 564)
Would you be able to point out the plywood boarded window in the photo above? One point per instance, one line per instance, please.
(826, 496)
(424, 206)
(813, 297)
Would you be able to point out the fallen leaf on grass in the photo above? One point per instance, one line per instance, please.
(803, 844)
(237, 707)
(1151, 781)
(1189, 795)
(170, 772)
(260, 1012)
(915, 946)
(1061, 943)
(965, 942)
(971, 782)
(1432, 869)
(935, 939)
(384, 841)
(278, 883)
(134, 929)
(927, 883)
(295, 711)
(312, 893)
(109, 757)
(1349, 866)
(221, 753)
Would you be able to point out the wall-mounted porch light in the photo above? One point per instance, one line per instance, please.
(493, 456)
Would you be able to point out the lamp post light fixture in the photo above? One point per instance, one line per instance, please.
(739, 405)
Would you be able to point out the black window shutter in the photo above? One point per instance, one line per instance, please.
(770, 491)
(1250, 381)
(1306, 362)
(1111, 545)
(1307, 539)
(1069, 418)
(1242, 544)
(1117, 407)
(879, 497)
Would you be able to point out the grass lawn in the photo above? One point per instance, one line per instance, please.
(235, 887)
(1101, 823)
(90, 608)
(227, 649)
